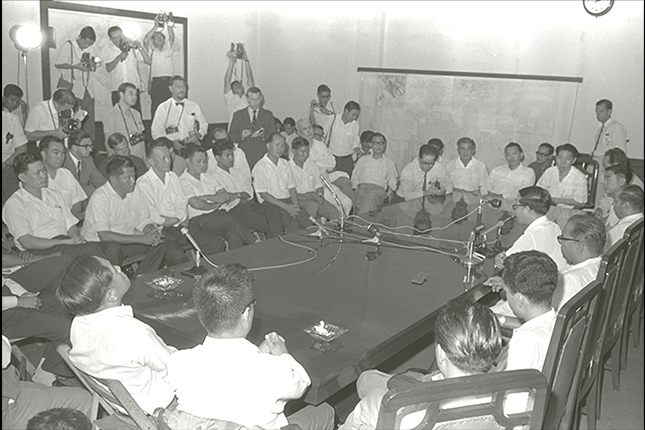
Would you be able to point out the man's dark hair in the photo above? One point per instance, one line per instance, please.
(621, 171)
(23, 160)
(366, 136)
(12, 90)
(289, 121)
(221, 296)
(617, 156)
(632, 194)
(221, 145)
(535, 198)
(77, 136)
(116, 139)
(84, 285)
(175, 79)
(116, 165)
(60, 419)
(377, 134)
(428, 149)
(273, 136)
(351, 105)
(567, 147)
(64, 96)
(608, 105)
(299, 142)
(113, 29)
(322, 88)
(191, 149)
(437, 143)
(590, 231)
(467, 140)
(532, 273)
(124, 86)
(158, 143)
(548, 146)
(88, 33)
(47, 140)
(514, 145)
(253, 90)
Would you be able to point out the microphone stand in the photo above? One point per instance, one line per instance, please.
(341, 221)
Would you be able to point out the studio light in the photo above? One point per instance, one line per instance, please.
(26, 37)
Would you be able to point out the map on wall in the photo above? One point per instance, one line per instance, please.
(493, 110)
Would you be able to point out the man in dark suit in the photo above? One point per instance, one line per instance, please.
(251, 127)
(79, 161)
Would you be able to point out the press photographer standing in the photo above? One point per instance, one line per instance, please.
(234, 93)
(161, 66)
(77, 64)
(122, 58)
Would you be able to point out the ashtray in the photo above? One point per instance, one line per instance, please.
(325, 331)
(165, 283)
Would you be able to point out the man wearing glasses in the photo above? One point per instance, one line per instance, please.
(424, 176)
(543, 159)
(79, 161)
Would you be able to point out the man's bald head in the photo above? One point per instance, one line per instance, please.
(305, 129)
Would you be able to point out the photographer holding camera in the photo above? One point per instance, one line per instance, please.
(234, 93)
(161, 65)
(77, 64)
(122, 118)
(46, 118)
(122, 57)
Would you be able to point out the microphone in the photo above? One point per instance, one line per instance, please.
(498, 224)
(496, 203)
(196, 270)
(185, 232)
(341, 221)
(376, 239)
(322, 231)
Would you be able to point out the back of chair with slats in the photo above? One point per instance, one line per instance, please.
(591, 170)
(563, 362)
(635, 293)
(475, 401)
(608, 275)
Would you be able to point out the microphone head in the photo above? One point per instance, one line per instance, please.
(496, 203)
(373, 229)
(184, 231)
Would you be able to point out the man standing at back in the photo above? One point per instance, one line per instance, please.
(234, 96)
(344, 140)
(252, 126)
(323, 111)
(611, 133)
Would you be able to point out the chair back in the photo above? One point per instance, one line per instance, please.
(113, 397)
(634, 266)
(563, 362)
(591, 170)
(478, 402)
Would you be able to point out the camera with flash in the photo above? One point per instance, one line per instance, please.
(67, 121)
(239, 50)
(89, 61)
(171, 130)
(127, 46)
(136, 138)
(165, 18)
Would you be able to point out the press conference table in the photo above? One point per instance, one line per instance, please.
(373, 298)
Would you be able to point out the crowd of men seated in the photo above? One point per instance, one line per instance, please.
(70, 225)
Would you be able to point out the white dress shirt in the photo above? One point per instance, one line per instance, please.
(618, 230)
(234, 103)
(107, 211)
(67, 186)
(163, 198)
(530, 342)
(172, 114)
(573, 279)
(47, 218)
(573, 186)
(378, 171)
(126, 70)
(127, 122)
(344, 137)
(112, 344)
(412, 180)
(307, 177)
(506, 182)
(541, 235)
(253, 387)
(233, 181)
(276, 180)
(42, 117)
(614, 135)
(194, 187)
(161, 64)
(473, 177)
(325, 121)
(239, 162)
(13, 136)
(81, 80)
(322, 156)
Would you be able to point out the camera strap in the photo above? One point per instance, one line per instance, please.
(54, 118)
(127, 130)
(172, 103)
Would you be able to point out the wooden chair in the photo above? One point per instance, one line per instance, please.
(608, 276)
(635, 294)
(591, 169)
(114, 398)
(491, 389)
(26, 368)
(563, 364)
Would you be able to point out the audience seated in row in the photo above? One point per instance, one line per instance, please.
(629, 209)
(566, 184)
(424, 176)
(466, 172)
(508, 179)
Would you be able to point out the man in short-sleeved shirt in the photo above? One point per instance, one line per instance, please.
(424, 176)
(124, 119)
(566, 184)
(466, 172)
(374, 178)
(13, 143)
(508, 179)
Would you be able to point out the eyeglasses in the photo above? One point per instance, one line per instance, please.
(561, 239)
(538, 153)
(85, 146)
(517, 205)
(251, 303)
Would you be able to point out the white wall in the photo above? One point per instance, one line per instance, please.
(295, 46)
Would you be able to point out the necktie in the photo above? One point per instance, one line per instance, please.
(179, 104)
(78, 168)
(602, 128)
(255, 117)
(425, 182)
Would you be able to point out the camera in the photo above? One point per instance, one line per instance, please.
(126, 46)
(239, 50)
(89, 61)
(165, 18)
(67, 121)
(171, 130)
(136, 138)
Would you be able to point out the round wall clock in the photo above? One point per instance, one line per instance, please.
(598, 7)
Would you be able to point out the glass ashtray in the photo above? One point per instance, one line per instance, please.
(325, 331)
(165, 283)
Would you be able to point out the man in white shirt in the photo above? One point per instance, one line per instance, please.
(118, 217)
(77, 73)
(323, 111)
(615, 178)
(14, 143)
(582, 243)
(566, 184)
(167, 203)
(38, 218)
(616, 156)
(611, 133)
(344, 140)
(275, 185)
(258, 381)
(161, 66)
(52, 152)
(438, 144)
(234, 180)
(107, 341)
(629, 209)
(205, 202)
(234, 93)
(466, 172)
(508, 179)
(121, 62)
(13, 103)
(123, 118)
(424, 176)
(239, 157)
(43, 119)
(326, 162)
(289, 133)
(309, 186)
(179, 119)
(374, 178)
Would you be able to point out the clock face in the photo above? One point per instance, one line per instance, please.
(598, 7)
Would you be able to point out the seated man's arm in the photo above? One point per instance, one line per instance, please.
(293, 211)
(150, 238)
(32, 242)
(203, 203)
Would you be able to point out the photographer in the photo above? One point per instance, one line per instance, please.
(122, 118)
(76, 65)
(161, 66)
(45, 118)
(122, 58)
(234, 94)
(322, 111)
